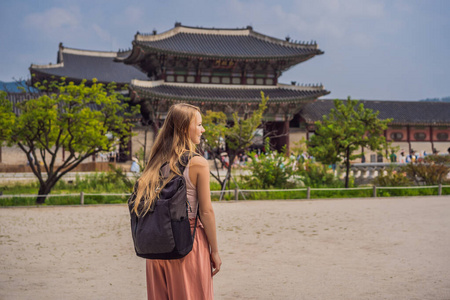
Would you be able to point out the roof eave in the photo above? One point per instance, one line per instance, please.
(295, 99)
(147, 48)
(74, 79)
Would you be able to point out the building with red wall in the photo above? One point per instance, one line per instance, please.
(422, 127)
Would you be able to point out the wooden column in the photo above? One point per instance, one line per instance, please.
(286, 137)
(431, 139)
(198, 75)
(408, 133)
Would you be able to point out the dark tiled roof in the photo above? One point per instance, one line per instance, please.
(210, 93)
(403, 112)
(229, 43)
(81, 64)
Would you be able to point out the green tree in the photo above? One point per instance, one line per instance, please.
(7, 119)
(238, 136)
(82, 120)
(347, 128)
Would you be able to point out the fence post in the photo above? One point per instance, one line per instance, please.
(82, 198)
(236, 194)
(374, 191)
(308, 193)
(440, 189)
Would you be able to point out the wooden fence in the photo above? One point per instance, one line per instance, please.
(236, 192)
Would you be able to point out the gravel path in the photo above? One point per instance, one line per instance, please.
(383, 248)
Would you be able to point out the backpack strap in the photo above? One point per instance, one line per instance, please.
(195, 226)
(185, 157)
(164, 171)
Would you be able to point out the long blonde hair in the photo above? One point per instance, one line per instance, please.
(172, 141)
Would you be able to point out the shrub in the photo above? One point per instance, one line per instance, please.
(269, 170)
(392, 178)
(315, 174)
(438, 159)
(431, 171)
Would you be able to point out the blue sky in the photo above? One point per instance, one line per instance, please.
(374, 49)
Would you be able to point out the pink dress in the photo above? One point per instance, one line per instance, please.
(187, 278)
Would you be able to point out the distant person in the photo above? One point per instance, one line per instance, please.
(333, 167)
(393, 157)
(448, 150)
(402, 157)
(226, 161)
(135, 165)
(408, 158)
(411, 157)
(415, 156)
(189, 277)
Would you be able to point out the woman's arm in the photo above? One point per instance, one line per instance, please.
(199, 175)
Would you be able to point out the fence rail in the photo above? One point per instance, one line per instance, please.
(375, 190)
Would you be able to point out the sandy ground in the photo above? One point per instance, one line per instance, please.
(390, 248)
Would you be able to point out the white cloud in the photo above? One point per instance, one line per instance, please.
(134, 14)
(101, 33)
(72, 27)
(333, 20)
(105, 36)
(54, 20)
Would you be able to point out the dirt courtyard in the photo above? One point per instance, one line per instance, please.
(379, 248)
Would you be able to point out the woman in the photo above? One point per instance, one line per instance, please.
(191, 276)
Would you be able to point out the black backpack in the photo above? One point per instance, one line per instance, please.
(164, 231)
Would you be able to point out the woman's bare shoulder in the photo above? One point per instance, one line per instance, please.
(198, 166)
(199, 161)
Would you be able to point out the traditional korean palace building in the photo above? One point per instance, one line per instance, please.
(226, 70)
(220, 70)
(215, 69)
